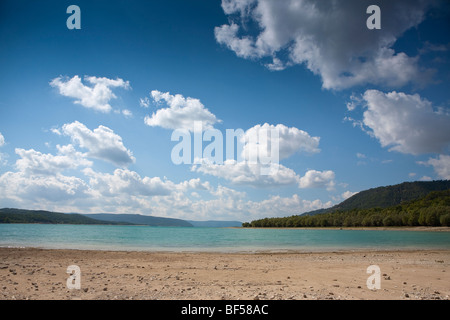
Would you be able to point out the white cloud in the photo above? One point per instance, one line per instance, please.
(40, 182)
(277, 206)
(235, 6)
(101, 143)
(124, 182)
(290, 141)
(125, 191)
(97, 96)
(223, 192)
(39, 179)
(229, 204)
(3, 156)
(127, 113)
(26, 190)
(441, 166)
(249, 174)
(36, 163)
(354, 102)
(329, 37)
(318, 179)
(251, 171)
(406, 123)
(243, 46)
(361, 155)
(182, 113)
(245, 173)
(194, 183)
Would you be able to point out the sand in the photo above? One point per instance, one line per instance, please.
(35, 274)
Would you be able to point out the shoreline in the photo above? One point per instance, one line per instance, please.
(215, 251)
(393, 228)
(418, 228)
(35, 274)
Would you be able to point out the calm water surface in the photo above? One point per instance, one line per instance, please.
(103, 237)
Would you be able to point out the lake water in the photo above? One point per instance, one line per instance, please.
(105, 237)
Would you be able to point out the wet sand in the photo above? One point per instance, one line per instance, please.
(28, 273)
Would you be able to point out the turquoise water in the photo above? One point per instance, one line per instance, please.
(105, 237)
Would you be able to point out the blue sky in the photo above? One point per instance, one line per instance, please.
(80, 129)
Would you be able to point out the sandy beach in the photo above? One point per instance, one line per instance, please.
(28, 273)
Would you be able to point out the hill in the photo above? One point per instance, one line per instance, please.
(384, 197)
(432, 209)
(8, 215)
(140, 219)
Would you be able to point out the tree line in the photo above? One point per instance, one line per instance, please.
(431, 210)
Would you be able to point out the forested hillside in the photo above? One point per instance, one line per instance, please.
(8, 215)
(431, 210)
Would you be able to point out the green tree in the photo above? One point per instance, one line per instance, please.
(445, 220)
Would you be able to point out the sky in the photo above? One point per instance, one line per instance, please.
(92, 118)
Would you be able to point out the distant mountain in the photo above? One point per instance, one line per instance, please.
(140, 219)
(384, 197)
(8, 215)
(216, 224)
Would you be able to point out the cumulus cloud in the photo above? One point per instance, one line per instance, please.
(406, 123)
(245, 173)
(182, 113)
(258, 139)
(251, 170)
(230, 204)
(126, 182)
(39, 178)
(223, 192)
(318, 179)
(329, 37)
(42, 181)
(23, 189)
(252, 174)
(96, 96)
(101, 143)
(284, 206)
(126, 191)
(2, 140)
(36, 163)
(441, 166)
(195, 184)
